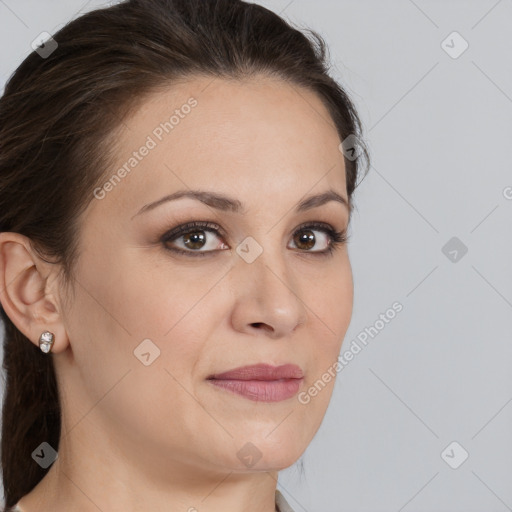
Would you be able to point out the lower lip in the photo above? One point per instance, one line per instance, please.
(261, 390)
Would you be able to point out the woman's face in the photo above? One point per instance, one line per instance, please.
(149, 325)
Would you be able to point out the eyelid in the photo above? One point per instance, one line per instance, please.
(200, 225)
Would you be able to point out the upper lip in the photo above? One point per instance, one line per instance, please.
(261, 372)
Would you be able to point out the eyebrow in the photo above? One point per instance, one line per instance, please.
(225, 203)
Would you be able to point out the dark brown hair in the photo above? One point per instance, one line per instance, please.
(58, 117)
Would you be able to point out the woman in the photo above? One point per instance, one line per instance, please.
(176, 183)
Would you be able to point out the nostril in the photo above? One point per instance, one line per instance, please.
(262, 325)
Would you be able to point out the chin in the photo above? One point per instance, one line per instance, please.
(264, 454)
(282, 462)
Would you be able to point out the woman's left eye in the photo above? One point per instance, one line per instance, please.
(195, 238)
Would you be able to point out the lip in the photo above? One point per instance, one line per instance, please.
(261, 372)
(261, 382)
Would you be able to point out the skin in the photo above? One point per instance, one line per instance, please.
(161, 437)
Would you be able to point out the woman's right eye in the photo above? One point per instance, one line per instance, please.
(194, 236)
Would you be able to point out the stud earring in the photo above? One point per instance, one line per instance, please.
(46, 341)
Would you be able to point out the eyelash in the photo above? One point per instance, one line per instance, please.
(337, 238)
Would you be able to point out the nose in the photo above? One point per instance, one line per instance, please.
(268, 296)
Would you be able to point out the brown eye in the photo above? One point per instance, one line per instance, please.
(194, 239)
(305, 239)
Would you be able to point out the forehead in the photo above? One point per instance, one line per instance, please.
(257, 136)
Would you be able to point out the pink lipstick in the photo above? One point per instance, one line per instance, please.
(261, 382)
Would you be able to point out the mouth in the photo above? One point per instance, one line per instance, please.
(261, 382)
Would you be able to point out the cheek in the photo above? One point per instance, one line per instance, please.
(179, 310)
(166, 298)
(331, 303)
(331, 314)
(146, 300)
(125, 310)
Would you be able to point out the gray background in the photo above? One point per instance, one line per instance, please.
(439, 130)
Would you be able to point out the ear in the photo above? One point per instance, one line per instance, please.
(27, 291)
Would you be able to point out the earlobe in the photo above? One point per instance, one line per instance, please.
(24, 293)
